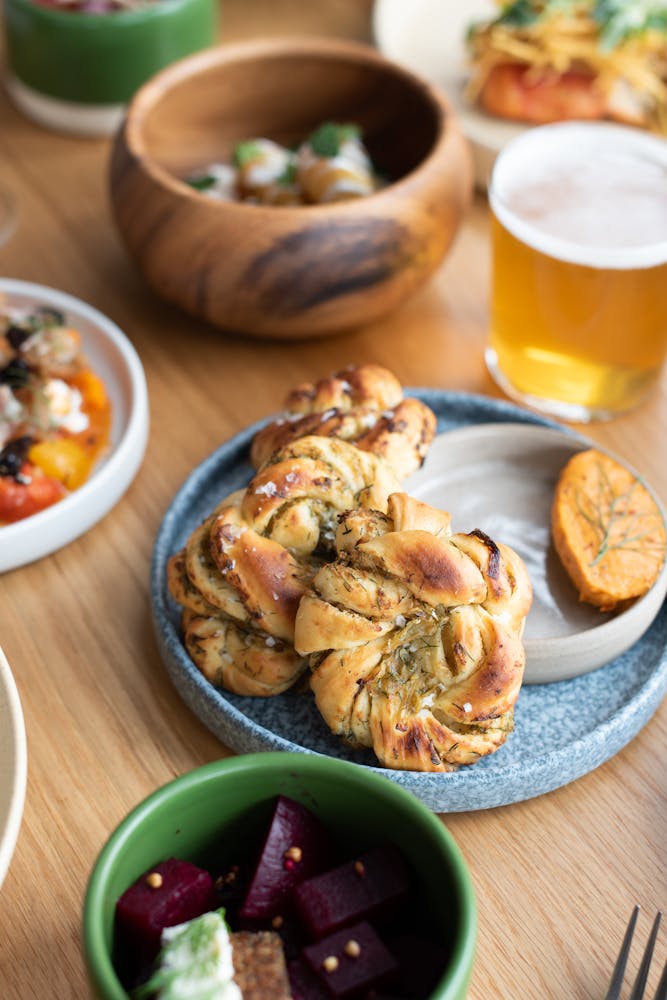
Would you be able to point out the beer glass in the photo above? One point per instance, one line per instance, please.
(579, 274)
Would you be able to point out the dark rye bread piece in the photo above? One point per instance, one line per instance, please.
(259, 965)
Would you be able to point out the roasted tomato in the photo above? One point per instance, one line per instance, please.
(21, 499)
(517, 92)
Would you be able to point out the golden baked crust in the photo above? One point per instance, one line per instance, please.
(414, 636)
(607, 529)
(244, 570)
(363, 404)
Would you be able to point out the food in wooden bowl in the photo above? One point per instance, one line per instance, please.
(295, 848)
(288, 271)
(331, 164)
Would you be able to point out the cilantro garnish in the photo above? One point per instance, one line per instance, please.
(288, 175)
(202, 182)
(329, 137)
(621, 19)
(245, 152)
(520, 13)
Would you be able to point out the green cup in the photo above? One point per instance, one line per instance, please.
(189, 816)
(67, 69)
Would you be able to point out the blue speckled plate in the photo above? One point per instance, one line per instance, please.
(562, 730)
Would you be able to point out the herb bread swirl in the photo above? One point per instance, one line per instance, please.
(414, 637)
(243, 571)
(362, 404)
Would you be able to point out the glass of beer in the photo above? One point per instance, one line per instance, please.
(579, 286)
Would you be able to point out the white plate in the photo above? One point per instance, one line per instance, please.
(115, 360)
(13, 765)
(428, 36)
(501, 478)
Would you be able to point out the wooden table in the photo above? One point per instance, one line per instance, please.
(556, 877)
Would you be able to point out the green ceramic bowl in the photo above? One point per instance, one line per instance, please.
(75, 71)
(187, 817)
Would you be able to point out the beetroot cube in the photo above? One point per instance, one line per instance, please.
(170, 893)
(357, 890)
(304, 984)
(350, 961)
(296, 847)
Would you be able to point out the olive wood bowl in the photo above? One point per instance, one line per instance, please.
(288, 271)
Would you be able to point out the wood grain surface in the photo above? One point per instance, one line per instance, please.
(556, 877)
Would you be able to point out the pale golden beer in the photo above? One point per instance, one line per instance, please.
(579, 286)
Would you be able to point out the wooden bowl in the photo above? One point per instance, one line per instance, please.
(296, 271)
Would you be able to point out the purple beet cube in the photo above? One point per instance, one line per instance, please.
(297, 846)
(304, 984)
(169, 893)
(351, 961)
(357, 890)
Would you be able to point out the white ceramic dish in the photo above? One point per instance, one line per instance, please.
(13, 765)
(114, 358)
(428, 37)
(65, 116)
(501, 478)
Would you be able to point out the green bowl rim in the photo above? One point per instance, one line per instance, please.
(98, 961)
(97, 21)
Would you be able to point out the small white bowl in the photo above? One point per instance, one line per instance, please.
(501, 478)
(115, 360)
(13, 765)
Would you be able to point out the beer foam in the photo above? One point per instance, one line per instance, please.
(586, 193)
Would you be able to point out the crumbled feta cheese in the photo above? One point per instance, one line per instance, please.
(10, 407)
(64, 405)
(196, 960)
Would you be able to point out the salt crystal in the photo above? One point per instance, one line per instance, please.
(400, 621)
(268, 489)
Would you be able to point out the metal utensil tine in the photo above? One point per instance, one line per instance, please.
(661, 992)
(642, 975)
(614, 991)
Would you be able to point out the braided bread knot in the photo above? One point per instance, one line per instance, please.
(414, 637)
(244, 570)
(364, 405)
